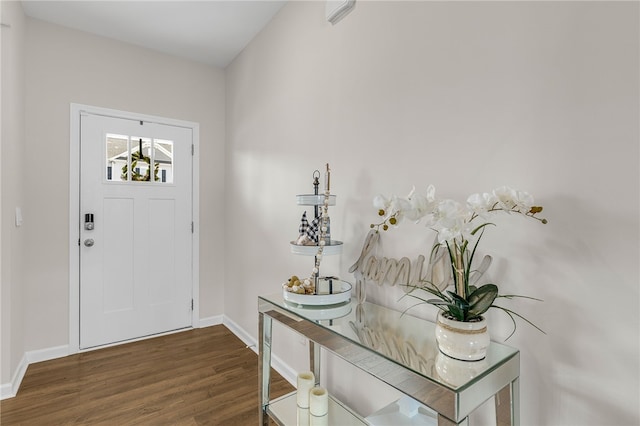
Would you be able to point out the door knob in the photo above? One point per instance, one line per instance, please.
(88, 242)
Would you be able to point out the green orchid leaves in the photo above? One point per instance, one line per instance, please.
(481, 299)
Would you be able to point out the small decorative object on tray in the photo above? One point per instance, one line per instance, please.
(329, 291)
(294, 285)
(308, 233)
(314, 238)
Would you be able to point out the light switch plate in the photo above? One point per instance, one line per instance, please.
(18, 217)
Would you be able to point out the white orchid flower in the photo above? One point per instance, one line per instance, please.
(481, 203)
(391, 207)
(451, 221)
(448, 211)
(398, 207)
(524, 201)
(431, 193)
(505, 197)
(381, 202)
(449, 218)
(513, 200)
(421, 206)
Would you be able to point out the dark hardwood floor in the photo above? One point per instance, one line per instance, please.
(203, 376)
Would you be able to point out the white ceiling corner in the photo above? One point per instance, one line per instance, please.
(207, 31)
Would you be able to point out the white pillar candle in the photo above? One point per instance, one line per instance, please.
(306, 381)
(318, 401)
(303, 417)
(319, 420)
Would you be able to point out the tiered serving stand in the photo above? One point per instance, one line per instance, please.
(329, 290)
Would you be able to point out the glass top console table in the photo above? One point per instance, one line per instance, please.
(400, 350)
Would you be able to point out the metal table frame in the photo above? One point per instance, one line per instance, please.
(453, 404)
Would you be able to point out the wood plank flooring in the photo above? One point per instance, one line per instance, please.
(203, 376)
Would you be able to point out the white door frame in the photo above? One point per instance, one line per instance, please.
(74, 211)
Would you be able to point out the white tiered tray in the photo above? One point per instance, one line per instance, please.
(314, 200)
(334, 248)
(340, 293)
(319, 313)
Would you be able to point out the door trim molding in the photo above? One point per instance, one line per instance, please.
(74, 210)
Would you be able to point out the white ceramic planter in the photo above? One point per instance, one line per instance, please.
(456, 372)
(466, 341)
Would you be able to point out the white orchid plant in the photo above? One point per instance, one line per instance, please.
(459, 229)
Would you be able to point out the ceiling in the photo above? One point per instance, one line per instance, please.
(208, 31)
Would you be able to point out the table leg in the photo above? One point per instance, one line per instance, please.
(314, 361)
(264, 365)
(508, 404)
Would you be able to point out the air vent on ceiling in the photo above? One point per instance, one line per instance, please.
(338, 9)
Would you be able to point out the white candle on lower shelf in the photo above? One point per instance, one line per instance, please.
(303, 417)
(319, 420)
(318, 401)
(306, 380)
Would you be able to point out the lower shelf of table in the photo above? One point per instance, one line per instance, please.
(284, 411)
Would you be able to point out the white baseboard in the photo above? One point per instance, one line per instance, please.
(210, 321)
(6, 391)
(240, 333)
(9, 390)
(47, 354)
(289, 374)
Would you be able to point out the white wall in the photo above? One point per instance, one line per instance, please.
(467, 96)
(13, 161)
(65, 66)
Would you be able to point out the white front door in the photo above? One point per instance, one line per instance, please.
(135, 229)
